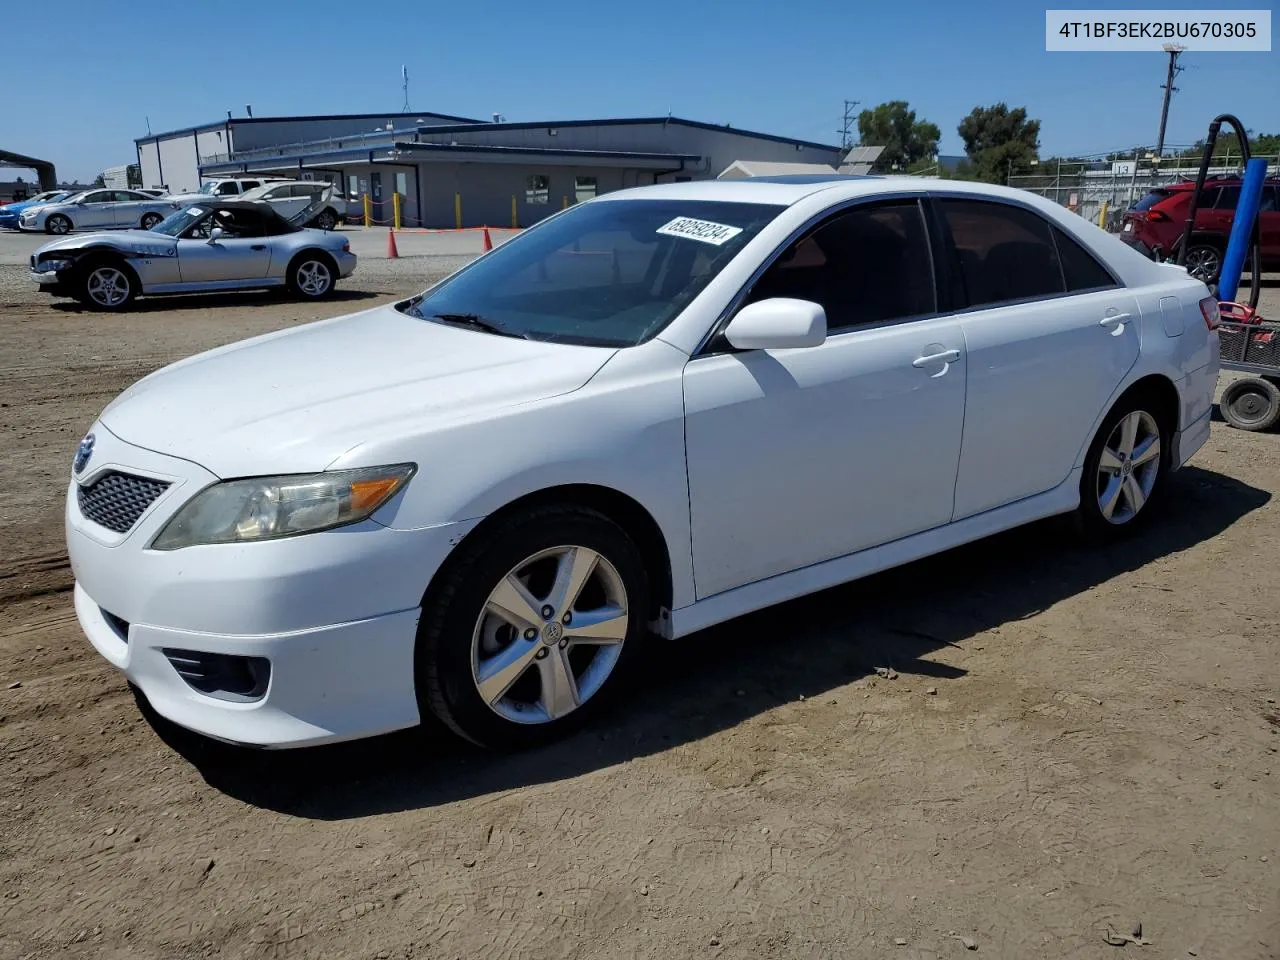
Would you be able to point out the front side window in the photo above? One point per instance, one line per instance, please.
(1228, 197)
(537, 189)
(1004, 252)
(612, 273)
(100, 196)
(867, 265)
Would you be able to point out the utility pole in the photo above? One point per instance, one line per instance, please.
(846, 128)
(1174, 50)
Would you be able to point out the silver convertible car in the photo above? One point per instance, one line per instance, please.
(226, 245)
(98, 210)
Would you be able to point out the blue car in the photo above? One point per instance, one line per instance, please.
(10, 212)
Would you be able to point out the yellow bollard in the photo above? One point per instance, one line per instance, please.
(368, 211)
(515, 223)
(395, 207)
(1102, 215)
(457, 211)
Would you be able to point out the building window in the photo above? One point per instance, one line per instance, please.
(537, 188)
(353, 185)
(402, 183)
(584, 188)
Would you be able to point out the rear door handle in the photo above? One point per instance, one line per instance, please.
(933, 359)
(258, 246)
(1114, 319)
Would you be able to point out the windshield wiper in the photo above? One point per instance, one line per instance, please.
(477, 322)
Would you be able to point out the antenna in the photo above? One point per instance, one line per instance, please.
(148, 119)
(846, 128)
(404, 76)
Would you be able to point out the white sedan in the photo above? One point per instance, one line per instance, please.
(98, 210)
(653, 412)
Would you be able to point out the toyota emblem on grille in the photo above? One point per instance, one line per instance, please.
(83, 453)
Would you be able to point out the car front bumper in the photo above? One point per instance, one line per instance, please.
(334, 614)
(346, 264)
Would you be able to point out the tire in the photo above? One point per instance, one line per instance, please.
(326, 220)
(105, 284)
(58, 225)
(462, 643)
(149, 220)
(312, 275)
(1204, 261)
(1251, 404)
(1117, 488)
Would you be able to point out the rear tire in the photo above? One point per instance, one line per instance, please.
(327, 219)
(312, 275)
(508, 681)
(149, 220)
(1251, 404)
(58, 225)
(1204, 261)
(106, 285)
(1124, 469)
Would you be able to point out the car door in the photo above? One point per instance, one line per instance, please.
(1269, 223)
(127, 208)
(803, 455)
(96, 210)
(1050, 334)
(242, 253)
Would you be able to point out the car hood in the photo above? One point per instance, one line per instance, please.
(135, 241)
(296, 400)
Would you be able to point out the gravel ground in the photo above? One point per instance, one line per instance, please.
(1020, 745)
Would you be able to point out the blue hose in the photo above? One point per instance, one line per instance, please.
(1255, 172)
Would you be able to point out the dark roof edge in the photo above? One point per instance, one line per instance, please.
(220, 124)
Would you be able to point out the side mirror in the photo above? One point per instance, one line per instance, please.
(215, 234)
(779, 323)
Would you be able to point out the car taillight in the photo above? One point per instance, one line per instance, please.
(346, 246)
(1209, 310)
(1156, 216)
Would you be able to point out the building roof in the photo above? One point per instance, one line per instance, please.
(236, 121)
(741, 169)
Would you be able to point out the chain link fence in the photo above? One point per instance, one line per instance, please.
(1101, 191)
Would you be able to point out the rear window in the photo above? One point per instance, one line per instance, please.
(1151, 199)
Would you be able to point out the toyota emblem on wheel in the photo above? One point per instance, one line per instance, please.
(83, 453)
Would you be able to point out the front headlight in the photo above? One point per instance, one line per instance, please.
(53, 266)
(268, 508)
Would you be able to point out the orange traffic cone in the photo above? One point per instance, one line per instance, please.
(488, 240)
(392, 252)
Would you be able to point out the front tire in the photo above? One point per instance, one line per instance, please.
(311, 276)
(1204, 262)
(534, 625)
(58, 225)
(106, 285)
(1124, 469)
(1251, 404)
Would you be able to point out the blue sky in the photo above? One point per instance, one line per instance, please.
(80, 95)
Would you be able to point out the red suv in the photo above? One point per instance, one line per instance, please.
(1154, 224)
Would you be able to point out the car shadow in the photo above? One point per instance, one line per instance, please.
(731, 672)
(201, 301)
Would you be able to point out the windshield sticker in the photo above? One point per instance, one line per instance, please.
(703, 230)
(195, 211)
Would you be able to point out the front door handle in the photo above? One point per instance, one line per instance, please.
(258, 246)
(933, 359)
(1114, 319)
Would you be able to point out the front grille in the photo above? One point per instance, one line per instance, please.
(116, 500)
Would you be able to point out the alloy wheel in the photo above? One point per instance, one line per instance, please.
(1203, 263)
(1128, 467)
(313, 278)
(549, 635)
(107, 287)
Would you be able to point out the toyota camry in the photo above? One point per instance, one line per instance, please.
(653, 412)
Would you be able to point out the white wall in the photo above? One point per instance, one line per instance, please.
(148, 160)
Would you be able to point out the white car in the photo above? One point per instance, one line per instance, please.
(653, 412)
(98, 210)
(312, 203)
(226, 189)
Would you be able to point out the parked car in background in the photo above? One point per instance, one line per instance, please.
(661, 409)
(314, 203)
(231, 187)
(152, 191)
(11, 212)
(98, 210)
(1154, 225)
(220, 246)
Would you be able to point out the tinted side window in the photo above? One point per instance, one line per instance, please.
(1082, 271)
(1004, 252)
(1228, 197)
(1270, 199)
(866, 265)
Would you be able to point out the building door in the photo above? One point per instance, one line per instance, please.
(375, 196)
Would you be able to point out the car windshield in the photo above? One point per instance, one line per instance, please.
(606, 273)
(175, 223)
(1151, 199)
(209, 187)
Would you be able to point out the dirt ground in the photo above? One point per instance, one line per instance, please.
(1067, 740)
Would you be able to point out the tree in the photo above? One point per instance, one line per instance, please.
(999, 141)
(99, 181)
(906, 140)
